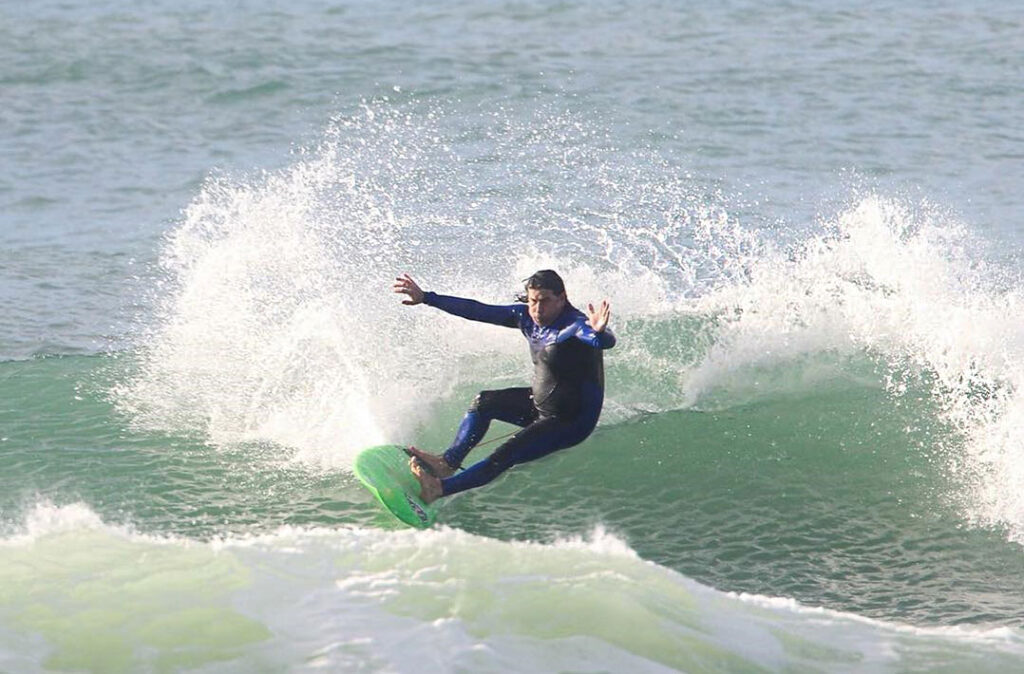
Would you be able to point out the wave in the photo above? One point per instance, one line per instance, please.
(82, 595)
(804, 479)
(276, 321)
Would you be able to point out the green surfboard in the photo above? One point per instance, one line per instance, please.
(385, 472)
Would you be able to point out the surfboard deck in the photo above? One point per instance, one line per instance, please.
(384, 470)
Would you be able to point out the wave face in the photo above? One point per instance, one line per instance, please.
(276, 322)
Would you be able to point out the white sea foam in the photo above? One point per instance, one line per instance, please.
(438, 601)
(46, 518)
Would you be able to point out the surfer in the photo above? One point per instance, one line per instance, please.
(559, 410)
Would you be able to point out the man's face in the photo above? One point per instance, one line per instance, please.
(544, 305)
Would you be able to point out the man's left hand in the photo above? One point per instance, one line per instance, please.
(598, 318)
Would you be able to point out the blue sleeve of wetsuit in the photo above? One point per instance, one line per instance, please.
(507, 316)
(599, 340)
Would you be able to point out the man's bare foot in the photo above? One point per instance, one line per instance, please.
(430, 485)
(436, 463)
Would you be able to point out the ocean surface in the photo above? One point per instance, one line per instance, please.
(806, 217)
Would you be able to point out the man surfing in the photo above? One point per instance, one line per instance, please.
(561, 407)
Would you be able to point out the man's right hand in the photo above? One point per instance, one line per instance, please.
(404, 285)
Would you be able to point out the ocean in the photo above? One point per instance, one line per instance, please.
(806, 219)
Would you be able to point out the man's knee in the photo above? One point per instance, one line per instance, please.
(481, 400)
(487, 401)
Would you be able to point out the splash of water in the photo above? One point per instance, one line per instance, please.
(276, 321)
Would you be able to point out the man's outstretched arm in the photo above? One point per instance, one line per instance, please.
(506, 316)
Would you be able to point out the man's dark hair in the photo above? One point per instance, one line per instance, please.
(545, 279)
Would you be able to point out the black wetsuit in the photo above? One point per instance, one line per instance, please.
(559, 410)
